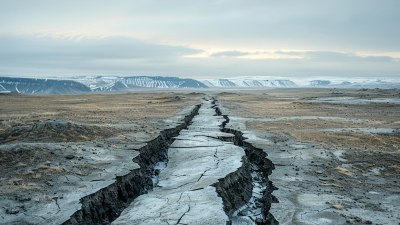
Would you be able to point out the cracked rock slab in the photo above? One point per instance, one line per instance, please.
(196, 160)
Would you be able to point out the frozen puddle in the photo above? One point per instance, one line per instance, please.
(184, 193)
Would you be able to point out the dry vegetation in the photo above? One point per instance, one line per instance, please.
(351, 148)
(95, 109)
(42, 138)
(289, 111)
(84, 116)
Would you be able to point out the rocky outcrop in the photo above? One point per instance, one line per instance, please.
(103, 206)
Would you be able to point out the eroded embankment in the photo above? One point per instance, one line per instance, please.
(105, 205)
(254, 209)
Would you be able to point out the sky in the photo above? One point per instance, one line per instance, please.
(201, 39)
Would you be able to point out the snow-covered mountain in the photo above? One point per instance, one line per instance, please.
(319, 83)
(41, 86)
(114, 83)
(101, 83)
(248, 83)
(353, 84)
(370, 84)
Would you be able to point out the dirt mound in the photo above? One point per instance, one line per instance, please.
(49, 131)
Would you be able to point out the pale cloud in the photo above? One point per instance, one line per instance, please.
(15, 49)
(233, 53)
(193, 38)
(329, 56)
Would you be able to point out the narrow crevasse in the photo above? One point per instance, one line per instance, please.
(105, 205)
(256, 208)
(212, 177)
(199, 162)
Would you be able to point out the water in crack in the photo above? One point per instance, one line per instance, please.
(251, 212)
(193, 168)
(158, 167)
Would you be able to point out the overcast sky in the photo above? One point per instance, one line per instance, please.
(201, 39)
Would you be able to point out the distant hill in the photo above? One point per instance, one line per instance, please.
(353, 84)
(248, 83)
(41, 86)
(101, 83)
(76, 85)
(319, 83)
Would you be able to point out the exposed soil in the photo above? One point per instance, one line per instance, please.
(55, 149)
(335, 152)
(339, 146)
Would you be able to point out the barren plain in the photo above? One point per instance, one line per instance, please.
(336, 152)
(56, 149)
(202, 158)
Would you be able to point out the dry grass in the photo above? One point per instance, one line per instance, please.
(294, 103)
(93, 117)
(98, 109)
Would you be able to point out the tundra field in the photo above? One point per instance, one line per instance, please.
(336, 152)
(199, 158)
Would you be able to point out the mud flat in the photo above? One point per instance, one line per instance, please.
(67, 164)
(336, 162)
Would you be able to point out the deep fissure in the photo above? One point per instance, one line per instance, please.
(255, 209)
(246, 193)
(105, 205)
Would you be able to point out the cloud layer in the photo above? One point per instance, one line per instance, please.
(201, 38)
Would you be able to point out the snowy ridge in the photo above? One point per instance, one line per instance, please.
(41, 86)
(125, 83)
(353, 84)
(86, 84)
(248, 83)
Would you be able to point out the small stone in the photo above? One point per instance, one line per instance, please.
(49, 183)
(13, 210)
(242, 213)
(337, 206)
(69, 156)
(23, 198)
(259, 221)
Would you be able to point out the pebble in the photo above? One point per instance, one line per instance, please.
(69, 156)
(13, 210)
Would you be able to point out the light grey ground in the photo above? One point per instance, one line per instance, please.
(307, 194)
(106, 160)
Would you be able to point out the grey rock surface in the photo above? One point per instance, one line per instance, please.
(306, 192)
(184, 193)
(92, 197)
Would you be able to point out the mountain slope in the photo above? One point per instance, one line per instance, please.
(126, 83)
(353, 84)
(41, 86)
(247, 83)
